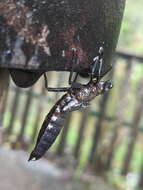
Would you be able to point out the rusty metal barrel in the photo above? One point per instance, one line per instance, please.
(37, 36)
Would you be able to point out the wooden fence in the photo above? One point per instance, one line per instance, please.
(107, 137)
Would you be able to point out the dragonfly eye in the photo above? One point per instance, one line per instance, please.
(108, 85)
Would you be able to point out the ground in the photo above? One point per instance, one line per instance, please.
(18, 174)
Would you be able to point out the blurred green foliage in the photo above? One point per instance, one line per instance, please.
(131, 37)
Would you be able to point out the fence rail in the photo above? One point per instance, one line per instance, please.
(95, 137)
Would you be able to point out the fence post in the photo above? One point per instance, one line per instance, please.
(119, 113)
(134, 130)
(25, 115)
(98, 126)
(83, 124)
(38, 116)
(14, 110)
(140, 183)
(4, 84)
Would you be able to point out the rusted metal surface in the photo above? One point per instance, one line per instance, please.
(39, 35)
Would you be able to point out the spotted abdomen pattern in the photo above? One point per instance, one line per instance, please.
(74, 99)
(53, 124)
